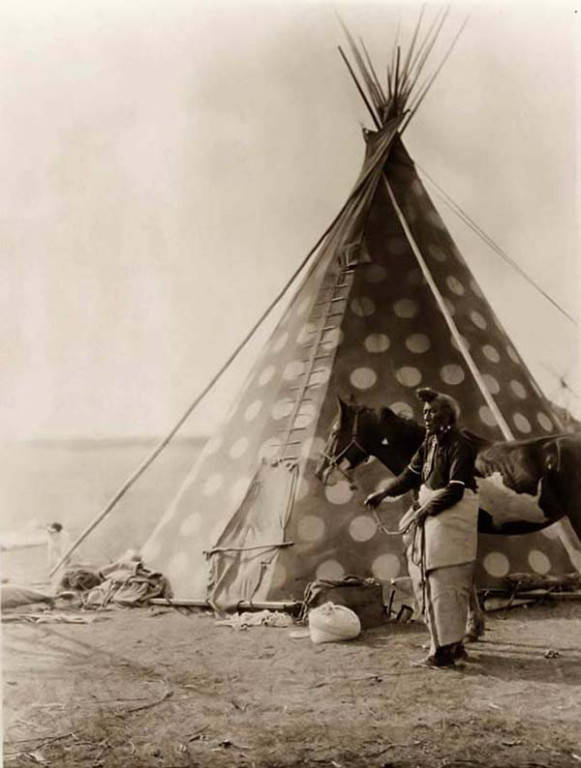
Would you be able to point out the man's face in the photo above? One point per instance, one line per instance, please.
(435, 417)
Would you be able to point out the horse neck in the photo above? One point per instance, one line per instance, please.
(408, 437)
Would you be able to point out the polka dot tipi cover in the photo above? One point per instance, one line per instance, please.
(371, 319)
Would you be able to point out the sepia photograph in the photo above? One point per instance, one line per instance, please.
(291, 388)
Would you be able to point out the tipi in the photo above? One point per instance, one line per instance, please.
(388, 304)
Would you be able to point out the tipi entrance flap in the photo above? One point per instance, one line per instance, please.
(242, 561)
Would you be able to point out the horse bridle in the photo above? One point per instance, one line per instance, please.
(335, 461)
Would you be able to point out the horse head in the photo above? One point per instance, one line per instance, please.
(359, 432)
(343, 450)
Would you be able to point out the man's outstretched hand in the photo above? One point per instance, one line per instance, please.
(374, 499)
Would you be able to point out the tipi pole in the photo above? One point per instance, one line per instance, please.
(166, 440)
(359, 88)
(505, 429)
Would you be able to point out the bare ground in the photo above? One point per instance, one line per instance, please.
(151, 687)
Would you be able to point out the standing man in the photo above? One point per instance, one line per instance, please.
(440, 533)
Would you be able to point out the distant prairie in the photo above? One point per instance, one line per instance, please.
(71, 481)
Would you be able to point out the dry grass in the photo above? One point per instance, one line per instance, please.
(140, 689)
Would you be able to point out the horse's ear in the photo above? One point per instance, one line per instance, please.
(386, 414)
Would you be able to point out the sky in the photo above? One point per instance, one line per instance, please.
(166, 166)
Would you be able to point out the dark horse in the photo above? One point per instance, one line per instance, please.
(524, 485)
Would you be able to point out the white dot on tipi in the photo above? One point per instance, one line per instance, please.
(456, 344)
(307, 333)
(450, 307)
(518, 389)
(418, 343)
(522, 423)
(281, 409)
(253, 410)
(405, 308)
(496, 564)
(306, 414)
(478, 320)
(177, 566)
(269, 449)
(434, 219)
(452, 374)
(376, 342)
(293, 370)
(491, 353)
(330, 570)
(280, 341)
(266, 375)
(363, 378)
(363, 306)
(513, 355)
(331, 339)
(408, 376)
(362, 528)
(437, 253)
(402, 409)
(238, 448)
(375, 273)
(417, 188)
(311, 528)
(320, 375)
(213, 484)
(491, 384)
(486, 416)
(386, 567)
(539, 562)
(397, 245)
(545, 421)
(340, 493)
(455, 285)
(191, 524)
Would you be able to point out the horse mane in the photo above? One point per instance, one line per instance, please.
(477, 440)
(409, 424)
(412, 427)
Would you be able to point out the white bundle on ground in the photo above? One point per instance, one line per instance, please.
(330, 623)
